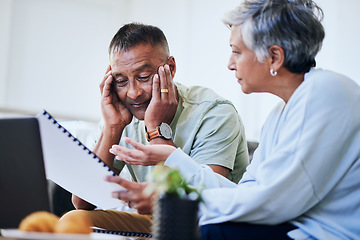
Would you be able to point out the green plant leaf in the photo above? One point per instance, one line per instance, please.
(169, 181)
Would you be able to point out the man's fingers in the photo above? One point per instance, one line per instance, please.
(168, 76)
(164, 89)
(156, 87)
(106, 91)
(171, 84)
(108, 69)
(107, 74)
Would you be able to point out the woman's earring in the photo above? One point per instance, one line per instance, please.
(273, 73)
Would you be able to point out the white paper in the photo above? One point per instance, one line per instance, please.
(74, 167)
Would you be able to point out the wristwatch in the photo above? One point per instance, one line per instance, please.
(164, 131)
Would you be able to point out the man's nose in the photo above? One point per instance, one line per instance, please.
(134, 90)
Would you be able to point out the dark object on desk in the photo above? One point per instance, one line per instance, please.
(23, 185)
(176, 219)
(60, 199)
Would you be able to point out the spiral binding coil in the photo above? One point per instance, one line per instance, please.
(124, 233)
(80, 144)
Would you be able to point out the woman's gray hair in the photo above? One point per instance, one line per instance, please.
(294, 25)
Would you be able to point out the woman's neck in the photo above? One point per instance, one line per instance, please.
(286, 84)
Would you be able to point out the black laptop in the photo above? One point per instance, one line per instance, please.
(23, 185)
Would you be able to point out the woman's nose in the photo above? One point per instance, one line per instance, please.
(231, 64)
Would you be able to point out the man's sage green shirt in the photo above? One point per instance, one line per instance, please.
(206, 126)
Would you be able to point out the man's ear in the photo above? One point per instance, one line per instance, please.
(277, 57)
(172, 65)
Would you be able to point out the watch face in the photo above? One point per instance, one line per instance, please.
(165, 131)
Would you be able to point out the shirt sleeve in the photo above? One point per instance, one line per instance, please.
(220, 140)
(199, 175)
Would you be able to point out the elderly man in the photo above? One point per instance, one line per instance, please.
(140, 100)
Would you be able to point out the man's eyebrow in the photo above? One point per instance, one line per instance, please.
(147, 65)
(115, 75)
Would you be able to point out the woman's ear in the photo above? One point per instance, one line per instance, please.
(276, 57)
(172, 65)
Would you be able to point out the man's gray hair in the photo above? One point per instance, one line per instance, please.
(133, 34)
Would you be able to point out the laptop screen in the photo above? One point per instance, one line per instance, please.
(23, 185)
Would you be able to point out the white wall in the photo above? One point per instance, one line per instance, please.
(57, 53)
(5, 15)
(341, 49)
(53, 53)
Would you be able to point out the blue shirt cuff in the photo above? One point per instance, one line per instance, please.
(183, 162)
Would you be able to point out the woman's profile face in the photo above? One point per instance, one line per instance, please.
(252, 75)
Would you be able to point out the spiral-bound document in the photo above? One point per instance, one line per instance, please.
(73, 166)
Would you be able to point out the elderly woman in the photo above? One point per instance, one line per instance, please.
(303, 182)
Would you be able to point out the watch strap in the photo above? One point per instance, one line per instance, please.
(153, 134)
